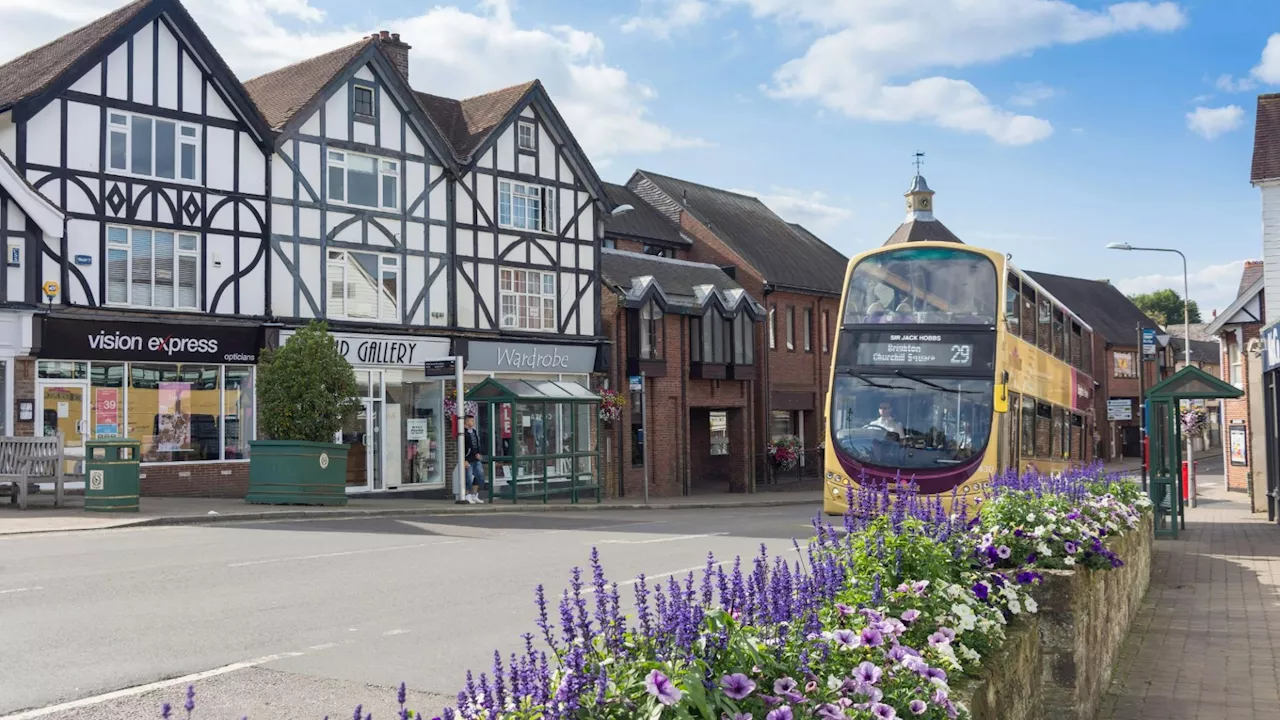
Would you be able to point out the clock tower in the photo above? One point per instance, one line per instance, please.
(919, 200)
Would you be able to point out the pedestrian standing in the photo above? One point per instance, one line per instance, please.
(474, 468)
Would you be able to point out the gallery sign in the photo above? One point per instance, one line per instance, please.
(66, 339)
(529, 357)
(387, 350)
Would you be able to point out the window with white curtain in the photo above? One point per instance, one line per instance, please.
(526, 207)
(528, 299)
(151, 147)
(363, 180)
(363, 286)
(152, 268)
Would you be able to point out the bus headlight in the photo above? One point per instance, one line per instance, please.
(835, 492)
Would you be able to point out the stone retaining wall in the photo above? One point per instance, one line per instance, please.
(1056, 664)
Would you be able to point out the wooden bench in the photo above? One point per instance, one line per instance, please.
(23, 459)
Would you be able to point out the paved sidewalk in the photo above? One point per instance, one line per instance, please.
(183, 511)
(1206, 642)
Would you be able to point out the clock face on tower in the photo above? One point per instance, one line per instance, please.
(924, 202)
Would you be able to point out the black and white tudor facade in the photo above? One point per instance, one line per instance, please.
(163, 222)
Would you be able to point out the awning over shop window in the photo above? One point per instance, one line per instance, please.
(500, 390)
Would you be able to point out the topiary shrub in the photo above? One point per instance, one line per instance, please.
(305, 388)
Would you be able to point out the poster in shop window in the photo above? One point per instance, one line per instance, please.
(106, 408)
(173, 421)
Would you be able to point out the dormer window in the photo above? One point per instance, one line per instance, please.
(362, 102)
(528, 137)
(650, 332)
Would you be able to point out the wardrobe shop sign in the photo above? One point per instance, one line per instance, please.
(66, 339)
(530, 357)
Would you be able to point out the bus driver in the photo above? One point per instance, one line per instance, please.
(887, 421)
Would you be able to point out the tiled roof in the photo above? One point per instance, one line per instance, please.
(677, 278)
(1199, 332)
(280, 94)
(1111, 314)
(784, 256)
(466, 124)
(33, 72)
(1252, 271)
(1266, 139)
(644, 222)
(922, 231)
(1201, 351)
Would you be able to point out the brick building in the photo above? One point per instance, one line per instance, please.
(795, 275)
(1238, 329)
(688, 331)
(1116, 324)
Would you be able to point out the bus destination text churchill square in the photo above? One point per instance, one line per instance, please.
(916, 350)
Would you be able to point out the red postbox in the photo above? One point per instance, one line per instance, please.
(1186, 480)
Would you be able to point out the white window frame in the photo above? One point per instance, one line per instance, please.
(826, 332)
(388, 266)
(510, 315)
(120, 122)
(386, 170)
(531, 135)
(178, 252)
(773, 333)
(510, 190)
(373, 101)
(1235, 364)
(807, 328)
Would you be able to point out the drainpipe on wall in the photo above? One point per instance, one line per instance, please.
(684, 407)
(619, 364)
(766, 406)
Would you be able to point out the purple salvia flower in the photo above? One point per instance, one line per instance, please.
(191, 700)
(166, 710)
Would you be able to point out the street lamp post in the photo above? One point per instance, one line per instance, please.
(1186, 341)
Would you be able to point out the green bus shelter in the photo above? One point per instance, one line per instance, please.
(1165, 439)
(541, 438)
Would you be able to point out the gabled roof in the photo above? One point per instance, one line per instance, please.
(643, 223)
(282, 94)
(1192, 383)
(32, 79)
(468, 123)
(785, 258)
(47, 216)
(34, 72)
(1108, 311)
(1266, 140)
(1239, 304)
(683, 285)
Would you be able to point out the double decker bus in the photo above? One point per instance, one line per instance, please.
(952, 366)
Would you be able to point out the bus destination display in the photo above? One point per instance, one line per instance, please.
(915, 350)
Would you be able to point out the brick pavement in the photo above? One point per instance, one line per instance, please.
(1206, 642)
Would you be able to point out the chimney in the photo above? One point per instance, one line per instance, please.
(395, 49)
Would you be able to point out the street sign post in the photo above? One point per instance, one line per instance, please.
(1148, 342)
(1120, 409)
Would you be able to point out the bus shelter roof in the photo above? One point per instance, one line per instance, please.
(1192, 383)
(510, 390)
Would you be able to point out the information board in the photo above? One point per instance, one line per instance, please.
(1119, 410)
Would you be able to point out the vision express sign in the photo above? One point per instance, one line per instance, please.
(158, 342)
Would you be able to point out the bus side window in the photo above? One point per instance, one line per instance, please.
(1013, 304)
(1044, 431)
(1029, 314)
(1059, 335)
(1028, 428)
(1044, 339)
(1015, 426)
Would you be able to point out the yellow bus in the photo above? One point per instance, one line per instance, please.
(952, 366)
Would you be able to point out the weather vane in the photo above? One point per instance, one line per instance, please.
(919, 161)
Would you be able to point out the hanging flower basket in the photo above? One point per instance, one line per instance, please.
(611, 404)
(785, 452)
(1194, 422)
(451, 408)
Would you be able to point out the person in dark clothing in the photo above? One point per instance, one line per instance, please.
(474, 469)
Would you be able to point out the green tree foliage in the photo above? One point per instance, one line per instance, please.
(305, 388)
(1165, 306)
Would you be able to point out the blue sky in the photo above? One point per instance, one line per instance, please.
(1050, 128)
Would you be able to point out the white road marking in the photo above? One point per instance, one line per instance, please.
(342, 554)
(18, 590)
(389, 633)
(140, 689)
(599, 527)
(673, 538)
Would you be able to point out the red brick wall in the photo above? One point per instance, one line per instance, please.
(1118, 388)
(1237, 411)
(220, 480)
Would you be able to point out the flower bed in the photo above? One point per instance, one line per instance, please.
(880, 618)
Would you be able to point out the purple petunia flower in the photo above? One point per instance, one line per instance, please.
(981, 590)
(934, 673)
(1004, 552)
(918, 707)
(846, 639)
(867, 672)
(784, 685)
(737, 685)
(1072, 548)
(844, 610)
(872, 637)
(910, 616)
(831, 711)
(884, 712)
(742, 716)
(782, 713)
(661, 687)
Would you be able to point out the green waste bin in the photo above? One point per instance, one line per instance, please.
(111, 475)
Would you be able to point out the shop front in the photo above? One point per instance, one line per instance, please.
(1266, 482)
(185, 391)
(397, 438)
(536, 414)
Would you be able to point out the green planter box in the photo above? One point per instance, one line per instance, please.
(283, 472)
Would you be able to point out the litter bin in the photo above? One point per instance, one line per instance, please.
(1186, 480)
(111, 475)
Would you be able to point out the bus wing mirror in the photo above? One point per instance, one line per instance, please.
(1002, 393)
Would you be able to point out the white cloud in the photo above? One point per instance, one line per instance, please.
(663, 17)
(1227, 83)
(1268, 69)
(1209, 123)
(872, 60)
(810, 209)
(1213, 287)
(1031, 94)
(455, 53)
